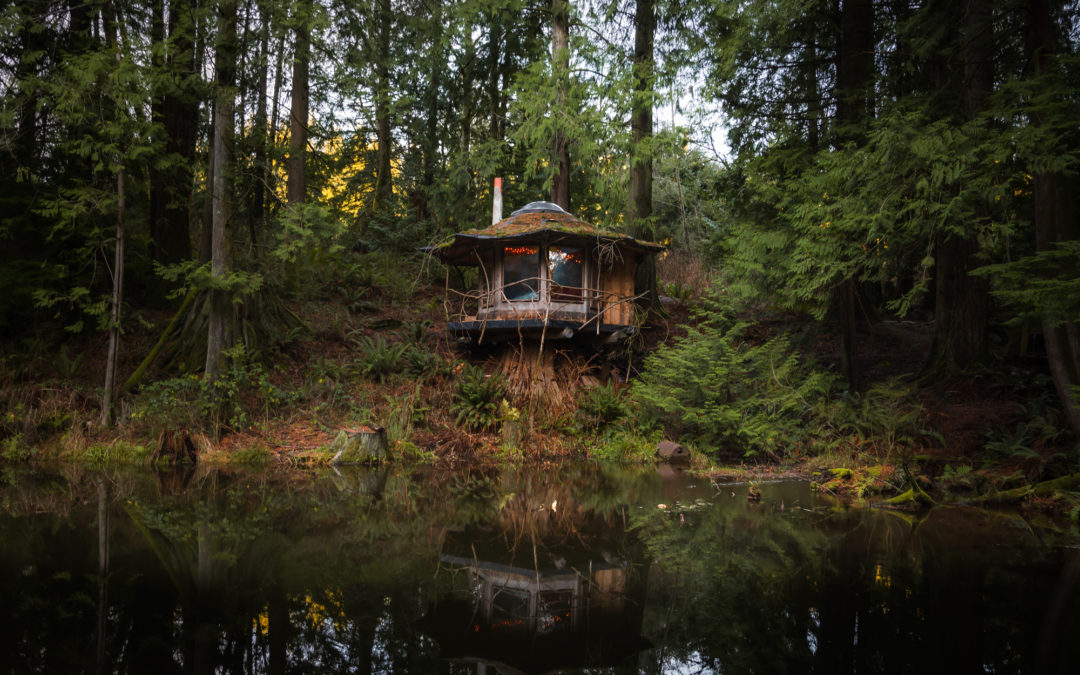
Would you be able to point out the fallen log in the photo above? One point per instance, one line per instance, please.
(1043, 489)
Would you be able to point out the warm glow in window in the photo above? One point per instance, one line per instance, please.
(521, 272)
(566, 265)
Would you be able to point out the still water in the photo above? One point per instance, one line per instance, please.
(555, 568)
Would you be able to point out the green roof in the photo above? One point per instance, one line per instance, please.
(528, 223)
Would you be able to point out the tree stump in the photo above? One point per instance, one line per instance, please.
(175, 447)
(362, 446)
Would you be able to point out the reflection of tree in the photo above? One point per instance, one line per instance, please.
(306, 573)
(752, 589)
(103, 573)
(273, 577)
(250, 573)
(726, 569)
(217, 552)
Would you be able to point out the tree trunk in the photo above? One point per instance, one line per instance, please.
(218, 338)
(494, 50)
(961, 305)
(26, 139)
(431, 123)
(383, 182)
(640, 205)
(845, 308)
(560, 56)
(206, 218)
(813, 98)
(298, 120)
(507, 70)
(177, 111)
(467, 93)
(159, 183)
(854, 70)
(854, 78)
(962, 302)
(117, 301)
(117, 273)
(1055, 220)
(242, 90)
(260, 131)
(271, 140)
(978, 55)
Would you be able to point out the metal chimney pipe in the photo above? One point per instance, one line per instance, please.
(496, 206)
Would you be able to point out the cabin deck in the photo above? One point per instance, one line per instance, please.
(498, 330)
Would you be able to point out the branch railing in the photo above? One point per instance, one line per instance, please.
(478, 304)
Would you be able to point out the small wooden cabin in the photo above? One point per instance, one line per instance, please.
(544, 272)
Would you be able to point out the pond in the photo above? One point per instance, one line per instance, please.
(570, 567)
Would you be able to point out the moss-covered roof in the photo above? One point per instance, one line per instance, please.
(544, 226)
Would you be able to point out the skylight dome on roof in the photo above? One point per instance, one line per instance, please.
(540, 207)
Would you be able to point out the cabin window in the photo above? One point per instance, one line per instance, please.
(521, 272)
(566, 266)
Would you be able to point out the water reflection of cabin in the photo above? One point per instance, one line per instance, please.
(542, 270)
(510, 619)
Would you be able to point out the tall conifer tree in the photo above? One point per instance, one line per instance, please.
(560, 59)
(298, 117)
(219, 331)
(1056, 190)
(639, 212)
(383, 181)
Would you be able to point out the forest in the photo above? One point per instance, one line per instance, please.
(214, 214)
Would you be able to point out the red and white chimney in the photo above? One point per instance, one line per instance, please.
(496, 206)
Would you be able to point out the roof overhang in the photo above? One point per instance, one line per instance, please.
(542, 227)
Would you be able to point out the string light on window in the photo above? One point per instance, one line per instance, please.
(574, 257)
(520, 250)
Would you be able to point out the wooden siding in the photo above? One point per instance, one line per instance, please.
(618, 289)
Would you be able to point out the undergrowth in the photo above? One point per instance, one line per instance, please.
(601, 406)
(236, 399)
(742, 397)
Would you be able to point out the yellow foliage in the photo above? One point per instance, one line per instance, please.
(881, 577)
(317, 612)
(337, 187)
(262, 622)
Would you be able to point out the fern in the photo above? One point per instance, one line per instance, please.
(477, 399)
(378, 360)
(601, 406)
